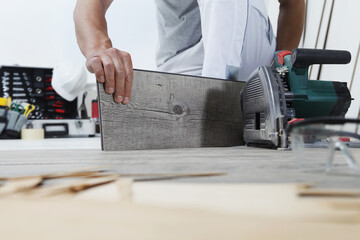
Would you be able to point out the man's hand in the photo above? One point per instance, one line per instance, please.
(290, 24)
(114, 68)
(110, 65)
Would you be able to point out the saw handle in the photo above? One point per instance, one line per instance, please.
(303, 58)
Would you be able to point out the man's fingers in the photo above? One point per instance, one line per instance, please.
(97, 68)
(109, 69)
(119, 75)
(129, 76)
(89, 65)
(114, 68)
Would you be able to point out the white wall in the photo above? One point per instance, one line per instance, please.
(41, 33)
(31, 32)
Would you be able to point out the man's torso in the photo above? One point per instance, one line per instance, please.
(179, 27)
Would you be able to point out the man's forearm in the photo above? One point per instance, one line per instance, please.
(111, 66)
(290, 24)
(91, 26)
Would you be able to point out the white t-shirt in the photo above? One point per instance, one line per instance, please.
(179, 27)
(226, 39)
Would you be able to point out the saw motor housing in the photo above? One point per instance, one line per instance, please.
(282, 92)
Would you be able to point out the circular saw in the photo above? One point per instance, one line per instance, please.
(281, 93)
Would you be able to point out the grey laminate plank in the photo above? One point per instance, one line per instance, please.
(173, 111)
(242, 164)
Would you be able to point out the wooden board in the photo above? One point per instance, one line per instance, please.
(172, 111)
(59, 219)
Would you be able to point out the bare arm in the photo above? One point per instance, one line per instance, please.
(290, 24)
(110, 65)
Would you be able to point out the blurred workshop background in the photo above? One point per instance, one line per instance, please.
(40, 33)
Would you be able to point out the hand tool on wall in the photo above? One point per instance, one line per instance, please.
(95, 109)
(17, 108)
(82, 109)
(283, 92)
(3, 113)
(12, 118)
(16, 116)
(28, 109)
(18, 125)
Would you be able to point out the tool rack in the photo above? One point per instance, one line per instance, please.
(33, 85)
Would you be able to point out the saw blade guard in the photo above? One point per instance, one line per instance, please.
(264, 108)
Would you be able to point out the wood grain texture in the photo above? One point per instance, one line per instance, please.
(242, 164)
(172, 111)
(91, 220)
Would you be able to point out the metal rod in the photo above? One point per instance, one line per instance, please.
(327, 35)
(355, 67)
(305, 23)
(318, 34)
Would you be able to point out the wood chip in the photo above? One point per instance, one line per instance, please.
(156, 177)
(310, 190)
(69, 174)
(19, 185)
(328, 193)
(75, 186)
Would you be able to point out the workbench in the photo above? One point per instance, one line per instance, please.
(241, 164)
(255, 199)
